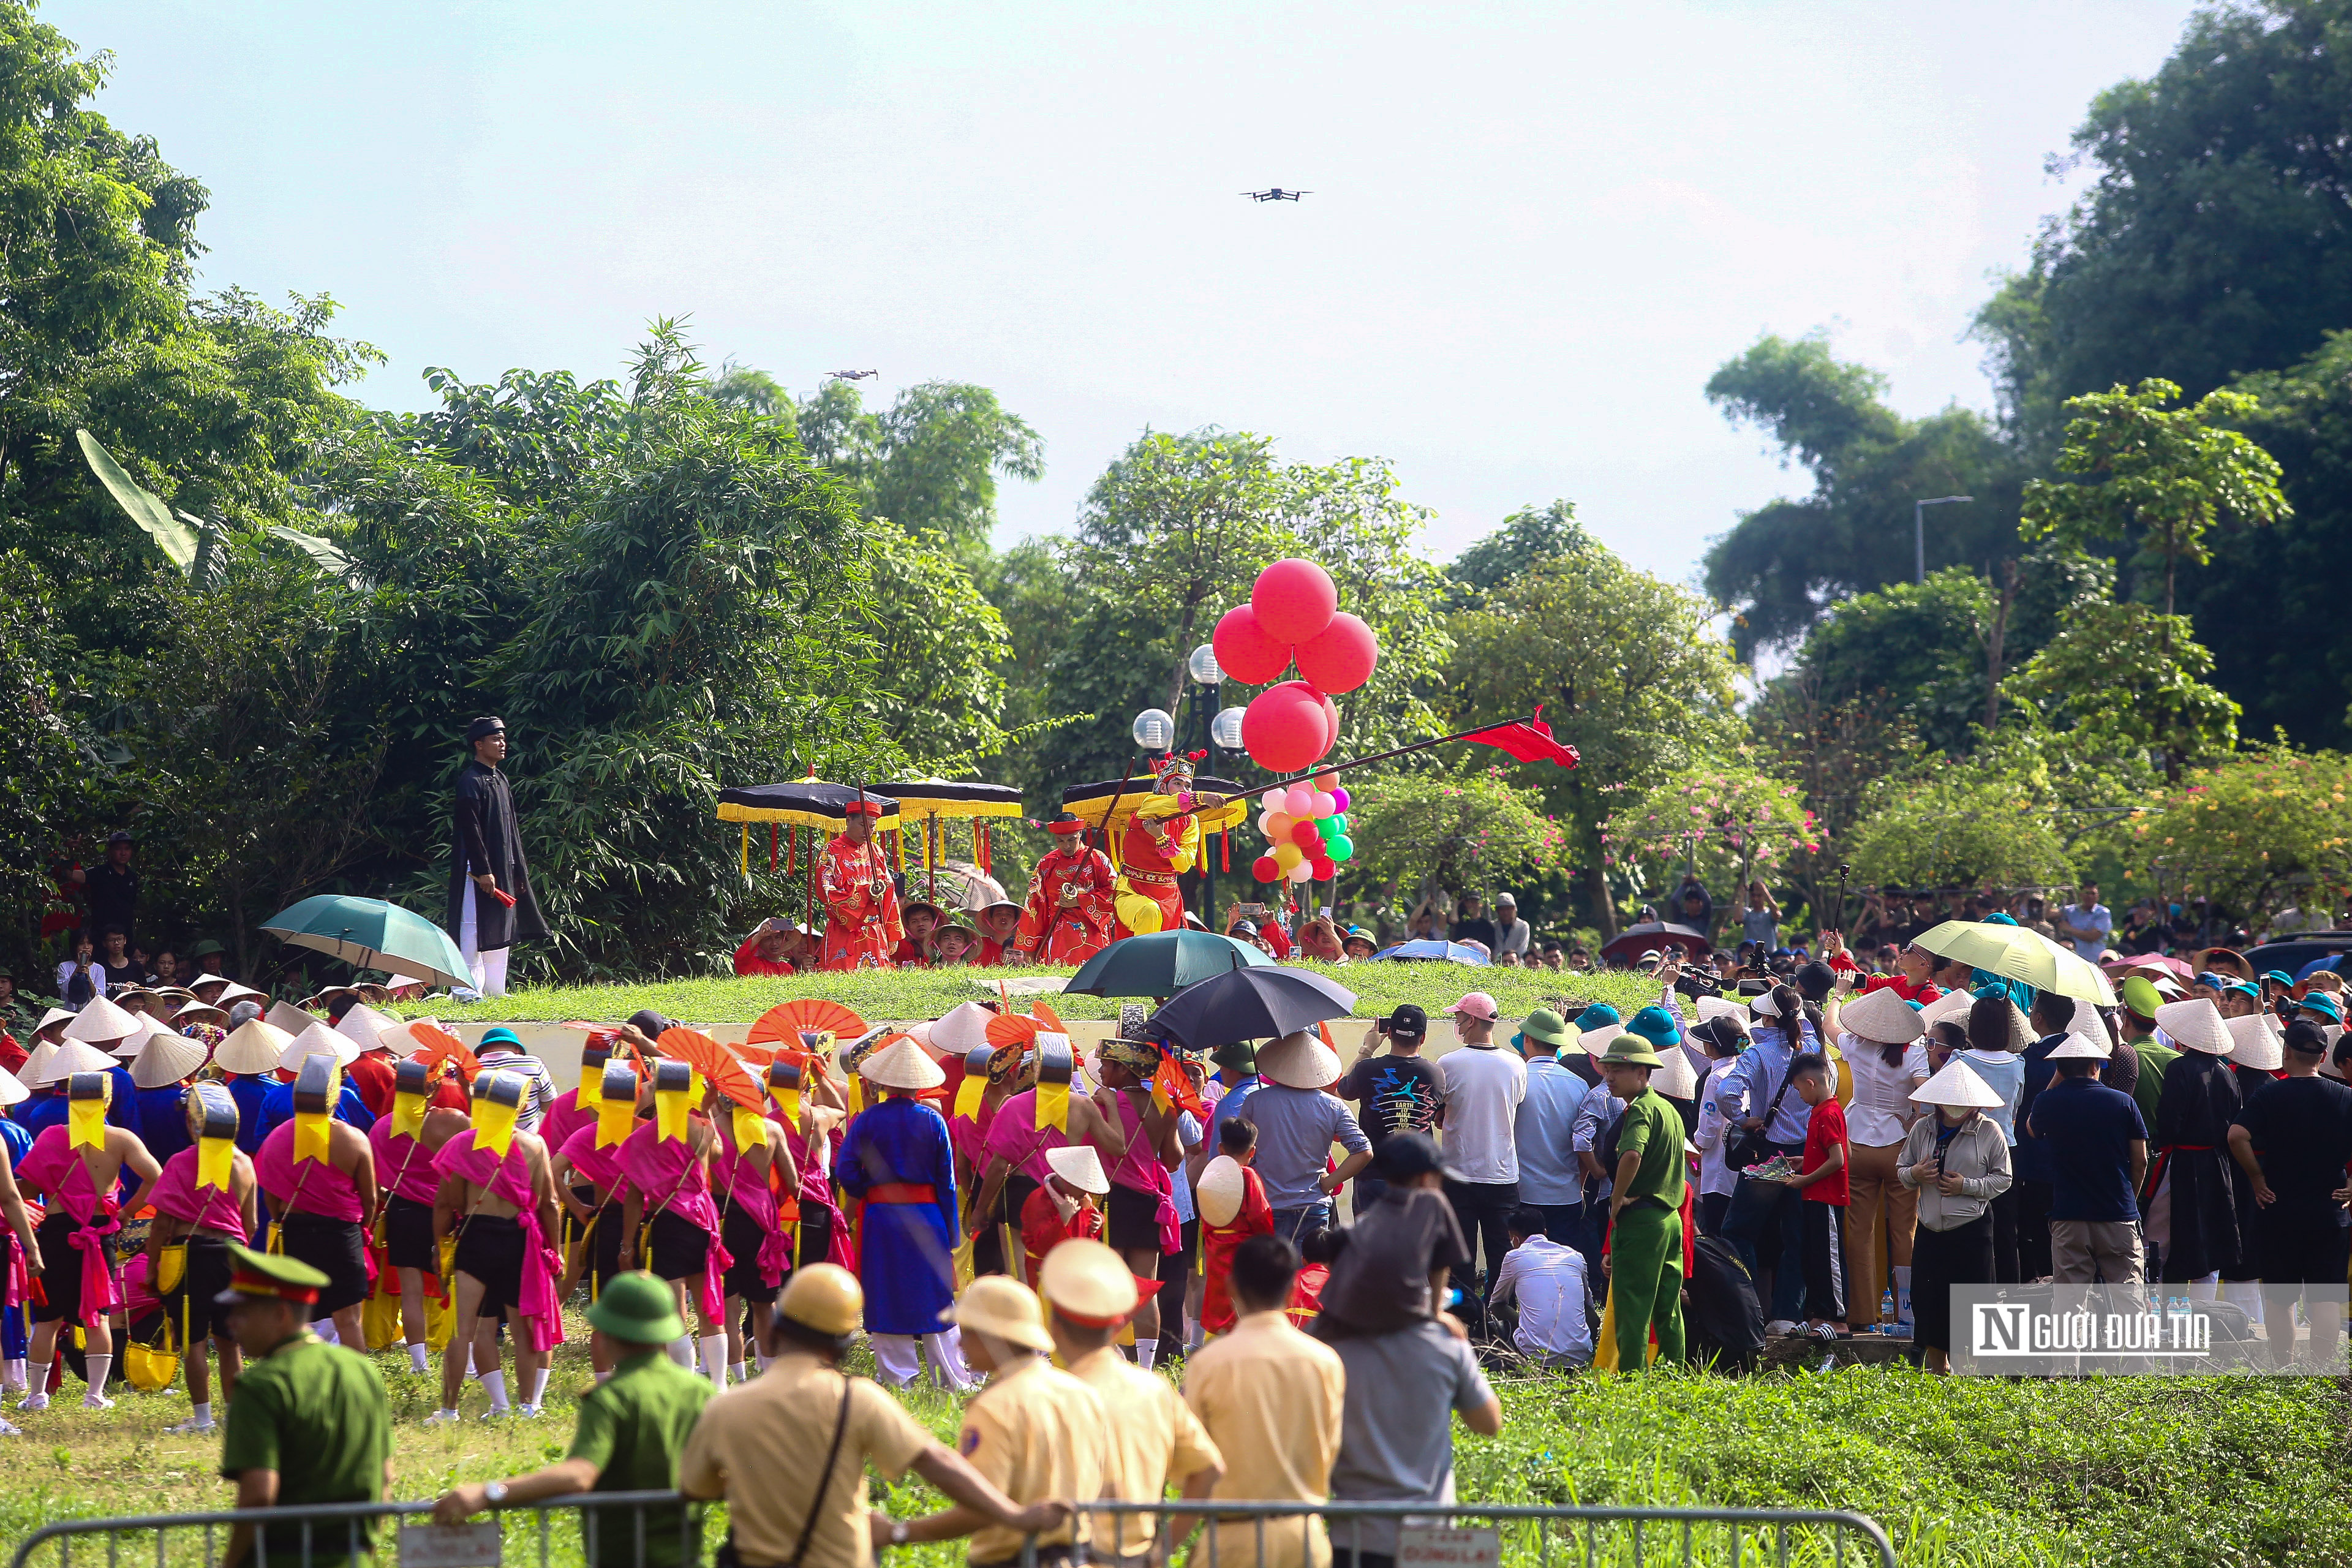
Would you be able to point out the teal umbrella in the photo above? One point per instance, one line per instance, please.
(1161, 963)
(367, 933)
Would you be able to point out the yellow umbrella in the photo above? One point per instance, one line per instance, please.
(2016, 954)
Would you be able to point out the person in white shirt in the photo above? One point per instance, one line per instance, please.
(1722, 1037)
(1551, 1286)
(1883, 1048)
(1484, 1086)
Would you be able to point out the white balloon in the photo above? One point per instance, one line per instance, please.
(1303, 872)
(1272, 799)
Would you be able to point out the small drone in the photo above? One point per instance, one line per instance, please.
(851, 374)
(1276, 194)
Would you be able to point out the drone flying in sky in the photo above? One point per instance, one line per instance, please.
(1276, 194)
(851, 374)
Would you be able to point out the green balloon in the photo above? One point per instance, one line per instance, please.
(1335, 824)
(1340, 848)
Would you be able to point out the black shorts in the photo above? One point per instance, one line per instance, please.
(603, 1248)
(743, 1236)
(408, 1235)
(677, 1248)
(203, 1277)
(1175, 1265)
(813, 1244)
(489, 1249)
(334, 1248)
(61, 1269)
(1134, 1220)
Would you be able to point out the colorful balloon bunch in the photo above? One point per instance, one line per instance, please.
(1308, 824)
(1294, 616)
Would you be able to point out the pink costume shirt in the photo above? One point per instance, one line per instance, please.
(674, 1182)
(206, 1208)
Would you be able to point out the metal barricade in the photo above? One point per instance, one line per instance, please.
(587, 1530)
(1236, 1534)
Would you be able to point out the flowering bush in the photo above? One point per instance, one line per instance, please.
(2245, 830)
(1723, 817)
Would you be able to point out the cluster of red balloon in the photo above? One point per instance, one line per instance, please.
(1307, 824)
(1294, 617)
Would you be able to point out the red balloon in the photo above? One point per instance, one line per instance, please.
(1305, 835)
(1245, 652)
(1325, 871)
(1331, 720)
(1284, 729)
(1340, 658)
(1265, 868)
(1294, 599)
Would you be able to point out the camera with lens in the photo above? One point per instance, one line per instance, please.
(1698, 983)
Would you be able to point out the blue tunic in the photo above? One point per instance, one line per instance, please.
(164, 1121)
(248, 1092)
(906, 1251)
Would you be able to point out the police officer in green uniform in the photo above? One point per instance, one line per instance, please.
(1645, 1222)
(632, 1428)
(309, 1424)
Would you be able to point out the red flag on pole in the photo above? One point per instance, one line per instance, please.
(1530, 742)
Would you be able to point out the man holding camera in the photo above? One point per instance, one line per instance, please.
(1399, 1092)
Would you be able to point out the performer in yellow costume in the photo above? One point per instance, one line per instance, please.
(1162, 840)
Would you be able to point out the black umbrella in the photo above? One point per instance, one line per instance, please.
(1249, 1005)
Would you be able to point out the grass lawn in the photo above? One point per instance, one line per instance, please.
(905, 995)
(1960, 1471)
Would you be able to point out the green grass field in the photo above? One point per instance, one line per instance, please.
(1960, 1472)
(908, 994)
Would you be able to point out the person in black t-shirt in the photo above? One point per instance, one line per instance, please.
(111, 889)
(2293, 1139)
(1399, 1092)
(1471, 923)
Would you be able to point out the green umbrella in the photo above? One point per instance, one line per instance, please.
(367, 933)
(1161, 963)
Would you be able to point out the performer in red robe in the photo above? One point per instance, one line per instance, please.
(1069, 917)
(1162, 840)
(861, 926)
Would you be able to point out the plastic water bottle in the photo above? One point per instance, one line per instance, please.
(1886, 1309)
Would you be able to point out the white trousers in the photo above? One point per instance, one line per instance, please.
(488, 969)
(895, 1357)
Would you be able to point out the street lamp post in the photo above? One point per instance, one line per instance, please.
(1919, 533)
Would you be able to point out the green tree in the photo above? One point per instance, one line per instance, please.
(2163, 477)
(2124, 680)
(1418, 832)
(1529, 535)
(1970, 827)
(45, 761)
(2214, 237)
(1627, 669)
(1785, 562)
(929, 463)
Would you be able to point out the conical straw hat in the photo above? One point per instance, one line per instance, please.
(902, 1064)
(100, 1021)
(253, 1046)
(318, 1040)
(1958, 1087)
(2255, 1042)
(73, 1057)
(287, 1017)
(1675, 1077)
(12, 1088)
(962, 1028)
(1078, 1164)
(166, 1058)
(2195, 1026)
(363, 1025)
(1220, 1190)
(1881, 1017)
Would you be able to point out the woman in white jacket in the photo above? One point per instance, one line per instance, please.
(1958, 1163)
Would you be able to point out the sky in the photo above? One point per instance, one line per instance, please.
(1533, 231)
